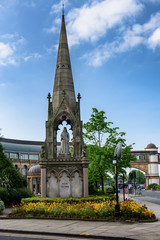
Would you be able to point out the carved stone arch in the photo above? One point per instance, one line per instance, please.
(67, 173)
(64, 116)
(74, 171)
(52, 171)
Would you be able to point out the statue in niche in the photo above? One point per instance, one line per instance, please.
(43, 152)
(65, 141)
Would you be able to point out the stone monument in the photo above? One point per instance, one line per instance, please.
(64, 174)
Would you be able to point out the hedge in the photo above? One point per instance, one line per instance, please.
(68, 200)
(153, 186)
(14, 196)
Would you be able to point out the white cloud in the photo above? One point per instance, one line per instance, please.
(92, 21)
(51, 30)
(147, 34)
(9, 46)
(6, 53)
(58, 7)
(32, 56)
(154, 40)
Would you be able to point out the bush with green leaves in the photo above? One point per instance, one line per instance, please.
(4, 195)
(108, 189)
(12, 183)
(15, 195)
(9, 176)
(2, 207)
(152, 186)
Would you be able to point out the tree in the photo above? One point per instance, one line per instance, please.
(9, 176)
(102, 139)
(140, 177)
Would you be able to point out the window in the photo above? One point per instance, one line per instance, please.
(143, 157)
(24, 156)
(16, 167)
(14, 155)
(33, 157)
(24, 171)
(138, 157)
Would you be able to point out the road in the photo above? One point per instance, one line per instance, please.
(150, 196)
(10, 236)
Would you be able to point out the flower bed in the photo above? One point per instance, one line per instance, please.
(129, 210)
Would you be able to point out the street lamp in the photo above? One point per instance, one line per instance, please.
(117, 155)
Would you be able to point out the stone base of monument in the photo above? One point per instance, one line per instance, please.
(65, 184)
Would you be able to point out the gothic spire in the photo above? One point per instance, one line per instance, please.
(63, 81)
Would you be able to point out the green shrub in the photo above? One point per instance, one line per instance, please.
(15, 195)
(158, 187)
(68, 200)
(9, 176)
(152, 186)
(4, 195)
(2, 207)
(92, 190)
(108, 189)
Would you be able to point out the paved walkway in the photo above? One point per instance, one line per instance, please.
(89, 229)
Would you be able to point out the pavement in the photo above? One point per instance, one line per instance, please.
(86, 229)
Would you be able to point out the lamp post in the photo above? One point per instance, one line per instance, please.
(117, 155)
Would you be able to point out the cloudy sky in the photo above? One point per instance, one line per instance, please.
(115, 55)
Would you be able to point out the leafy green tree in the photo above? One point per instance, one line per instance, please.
(140, 177)
(9, 176)
(102, 139)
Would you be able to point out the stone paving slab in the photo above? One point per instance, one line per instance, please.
(138, 231)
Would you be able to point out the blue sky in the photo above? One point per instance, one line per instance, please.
(115, 56)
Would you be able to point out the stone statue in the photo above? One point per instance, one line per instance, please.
(84, 151)
(43, 152)
(65, 141)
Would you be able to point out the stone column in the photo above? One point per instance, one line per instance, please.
(36, 187)
(31, 185)
(28, 183)
(85, 181)
(43, 182)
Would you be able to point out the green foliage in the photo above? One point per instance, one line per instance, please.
(153, 186)
(9, 176)
(93, 190)
(15, 195)
(4, 195)
(96, 127)
(68, 200)
(101, 157)
(2, 207)
(140, 177)
(108, 189)
(12, 183)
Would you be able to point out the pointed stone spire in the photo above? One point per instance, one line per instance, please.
(63, 77)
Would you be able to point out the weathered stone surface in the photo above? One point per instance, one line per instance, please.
(52, 186)
(76, 185)
(65, 186)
